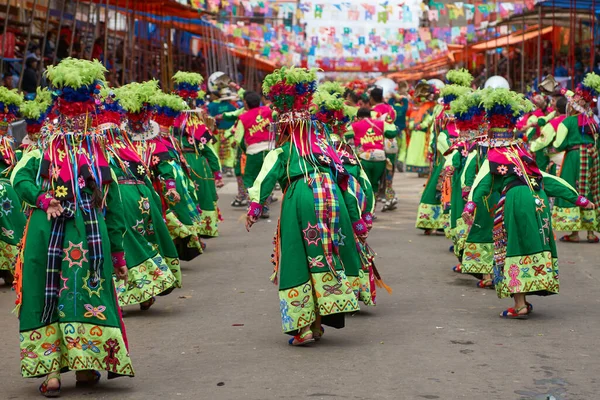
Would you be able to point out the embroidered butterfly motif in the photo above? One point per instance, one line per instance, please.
(73, 343)
(91, 345)
(332, 290)
(300, 304)
(94, 312)
(51, 347)
(539, 270)
(28, 352)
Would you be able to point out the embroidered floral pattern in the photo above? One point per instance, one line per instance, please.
(502, 169)
(312, 234)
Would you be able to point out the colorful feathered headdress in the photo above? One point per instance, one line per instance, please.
(451, 92)
(10, 100)
(331, 111)
(167, 107)
(36, 111)
(77, 83)
(503, 108)
(469, 113)
(589, 89)
(290, 89)
(134, 98)
(187, 85)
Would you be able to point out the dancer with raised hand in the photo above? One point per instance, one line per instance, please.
(313, 287)
(525, 257)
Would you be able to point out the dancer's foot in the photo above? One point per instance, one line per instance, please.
(237, 202)
(591, 238)
(515, 313)
(87, 378)
(485, 283)
(145, 306)
(51, 385)
(302, 339)
(572, 238)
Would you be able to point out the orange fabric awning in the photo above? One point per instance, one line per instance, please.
(512, 39)
(429, 69)
(261, 63)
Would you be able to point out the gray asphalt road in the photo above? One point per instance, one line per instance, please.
(436, 337)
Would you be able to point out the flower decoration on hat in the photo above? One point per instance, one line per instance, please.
(109, 107)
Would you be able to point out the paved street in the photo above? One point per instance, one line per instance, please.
(436, 337)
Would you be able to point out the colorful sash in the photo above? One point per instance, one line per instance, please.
(56, 252)
(327, 211)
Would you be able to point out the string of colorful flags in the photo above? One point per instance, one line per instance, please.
(356, 35)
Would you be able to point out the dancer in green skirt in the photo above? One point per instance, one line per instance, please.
(525, 258)
(194, 137)
(12, 219)
(68, 312)
(313, 287)
(355, 254)
(420, 121)
(577, 136)
(172, 178)
(150, 273)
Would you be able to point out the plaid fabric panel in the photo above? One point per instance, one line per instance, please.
(589, 184)
(355, 188)
(56, 252)
(54, 262)
(94, 239)
(327, 210)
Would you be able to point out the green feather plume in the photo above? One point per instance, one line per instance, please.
(44, 97)
(10, 97)
(460, 77)
(453, 89)
(465, 103)
(331, 102)
(592, 80)
(75, 73)
(33, 109)
(333, 87)
(505, 97)
(171, 101)
(133, 96)
(192, 78)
